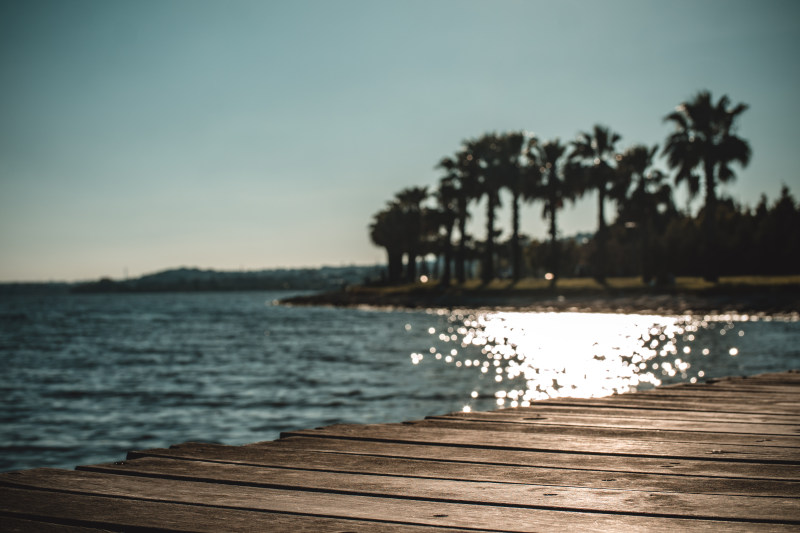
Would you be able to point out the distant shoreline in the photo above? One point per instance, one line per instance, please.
(190, 279)
(763, 298)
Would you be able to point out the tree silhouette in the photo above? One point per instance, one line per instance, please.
(447, 198)
(595, 153)
(555, 185)
(486, 152)
(462, 175)
(648, 203)
(387, 230)
(778, 250)
(409, 202)
(512, 174)
(705, 138)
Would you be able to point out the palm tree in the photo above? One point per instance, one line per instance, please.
(447, 199)
(649, 203)
(485, 153)
(555, 186)
(512, 175)
(462, 173)
(387, 231)
(596, 153)
(409, 202)
(705, 138)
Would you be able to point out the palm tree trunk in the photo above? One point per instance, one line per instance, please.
(395, 265)
(462, 242)
(411, 266)
(447, 256)
(602, 236)
(488, 262)
(710, 266)
(646, 256)
(554, 259)
(516, 262)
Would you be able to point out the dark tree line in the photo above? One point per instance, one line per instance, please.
(751, 241)
(648, 237)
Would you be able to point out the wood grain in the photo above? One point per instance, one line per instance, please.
(401, 511)
(615, 476)
(559, 496)
(491, 439)
(52, 508)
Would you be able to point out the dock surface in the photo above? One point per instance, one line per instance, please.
(717, 456)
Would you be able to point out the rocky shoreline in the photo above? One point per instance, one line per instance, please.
(772, 300)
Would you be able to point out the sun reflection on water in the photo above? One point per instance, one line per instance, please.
(524, 356)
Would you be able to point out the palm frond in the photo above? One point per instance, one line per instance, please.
(679, 119)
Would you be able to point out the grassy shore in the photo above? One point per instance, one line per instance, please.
(740, 294)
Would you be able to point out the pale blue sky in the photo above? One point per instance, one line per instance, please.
(144, 135)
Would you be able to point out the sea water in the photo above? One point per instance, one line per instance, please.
(86, 378)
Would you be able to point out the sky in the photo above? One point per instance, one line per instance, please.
(140, 136)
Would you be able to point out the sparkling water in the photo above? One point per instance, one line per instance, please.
(88, 377)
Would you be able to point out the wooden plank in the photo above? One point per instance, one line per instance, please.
(10, 524)
(726, 394)
(722, 400)
(786, 379)
(638, 402)
(791, 377)
(722, 432)
(420, 512)
(417, 434)
(787, 393)
(282, 457)
(749, 389)
(576, 461)
(117, 513)
(623, 434)
(600, 411)
(641, 423)
(563, 497)
(745, 383)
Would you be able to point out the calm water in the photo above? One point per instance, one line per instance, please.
(87, 378)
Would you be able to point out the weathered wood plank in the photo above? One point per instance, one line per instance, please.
(600, 411)
(576, 461)
(757, 392)
(608, 431)
(689, 437)
(788, 378)
(427, 468)
(638, 402)
(722, 400)
(725, 395)
(727, 389)
(791, 377)
(418, 434)
(10, 524)
(607, 420)
(564, 497)
(117, 513)
(429, 513)
(593, 411)
(784, 379)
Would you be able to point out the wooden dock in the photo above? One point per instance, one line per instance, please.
(721, 456)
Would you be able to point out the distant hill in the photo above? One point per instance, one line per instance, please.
(195, 279)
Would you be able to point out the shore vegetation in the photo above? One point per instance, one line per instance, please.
(649, 238)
